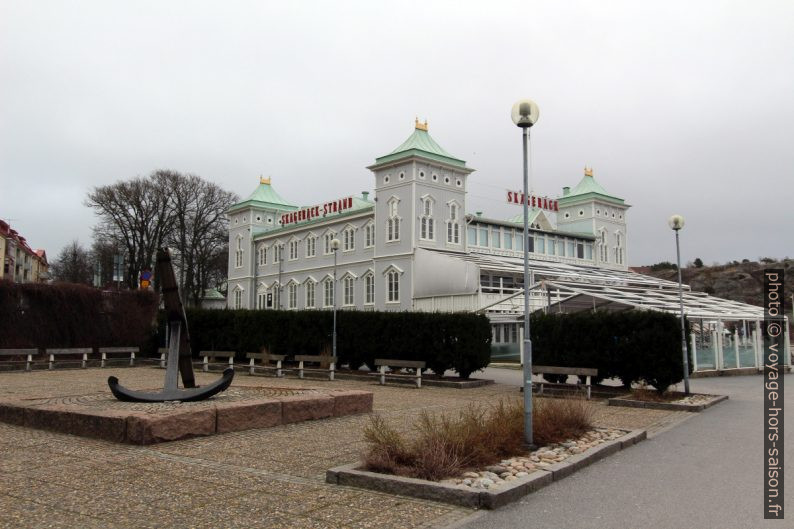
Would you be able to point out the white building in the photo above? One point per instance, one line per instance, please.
(414, 246)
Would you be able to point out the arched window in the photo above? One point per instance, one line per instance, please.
(238, 253)
(293, 250)
(348, 239)
(310, 294)
(603, 248)
(349, 291)
(292, 296)
(328, 292)
(327, 242)
(369, 235)
(369, 289)
(426, 230)
(262, 255)
(393, 221)
(238, 298)
(453, 225)
(393, 286)
(311, 246)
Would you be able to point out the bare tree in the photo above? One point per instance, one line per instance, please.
(135, 214)
(184, 212)
(73, 264)
(199, 230)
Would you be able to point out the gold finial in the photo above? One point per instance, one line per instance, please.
(263, 180)
(588, 172)
(420, 126)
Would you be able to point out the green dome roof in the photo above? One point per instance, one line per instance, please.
(420, 143)
(264, 196)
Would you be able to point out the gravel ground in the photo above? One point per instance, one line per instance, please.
(258, 478)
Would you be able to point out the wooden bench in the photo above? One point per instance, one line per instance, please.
(211, 358)
(383, 363)
(27, 353)
(266, 360)
(105, 351)
(82, 351)
(577, 371)
(319, 359)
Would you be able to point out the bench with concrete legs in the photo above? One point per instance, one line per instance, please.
(83, 352)
(383, 363)
(330, 361)
(266, 363)
(27, 353)
(127, 352)
(211, 359)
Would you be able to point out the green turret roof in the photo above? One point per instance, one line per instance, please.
(420, 143)
(588, 188)
(264, 196)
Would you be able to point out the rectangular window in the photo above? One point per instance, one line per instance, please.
(483, 235)
(588, 250)
(570, 251)
(540, 244)
(520, 241)
(496, 233)
(552, 246)
(508, 239)
(531, 243)
(471, 232)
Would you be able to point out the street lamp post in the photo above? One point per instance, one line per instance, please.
(335, 248)
(524, 114)
(676, 222)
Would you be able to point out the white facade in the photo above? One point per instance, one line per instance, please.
(411, 242)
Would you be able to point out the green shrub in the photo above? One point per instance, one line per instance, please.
(458, 342)
(633, 346)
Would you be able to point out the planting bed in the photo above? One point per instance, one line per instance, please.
(695, 402)
(489, 489)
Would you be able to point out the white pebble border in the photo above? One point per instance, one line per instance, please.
(694, 399)
(514, 468)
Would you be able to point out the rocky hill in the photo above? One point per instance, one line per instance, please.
(737, 281)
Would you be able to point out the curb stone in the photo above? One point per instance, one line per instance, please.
(669, 406)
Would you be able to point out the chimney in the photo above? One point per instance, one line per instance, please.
(364, 194)
(566, 191)
(479, 213)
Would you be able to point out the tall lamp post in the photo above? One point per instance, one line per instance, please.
(335, 249)
(676, 222)
(524, 114)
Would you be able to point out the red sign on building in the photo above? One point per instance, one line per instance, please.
(533, 201)
(312, 212)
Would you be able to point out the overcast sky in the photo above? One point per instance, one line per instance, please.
(680, 107)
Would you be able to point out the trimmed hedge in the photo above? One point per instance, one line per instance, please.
(69, 315)
(460, 342)
(634, 346)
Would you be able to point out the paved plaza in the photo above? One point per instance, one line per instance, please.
(271, 477)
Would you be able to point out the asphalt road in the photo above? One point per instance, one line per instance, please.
(704, 473)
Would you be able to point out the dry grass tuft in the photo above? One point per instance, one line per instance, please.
(445, 446)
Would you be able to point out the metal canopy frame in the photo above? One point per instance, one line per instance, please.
(572, 288)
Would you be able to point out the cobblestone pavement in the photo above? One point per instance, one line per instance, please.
(253, 479)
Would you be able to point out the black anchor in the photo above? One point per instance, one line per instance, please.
(179, 359)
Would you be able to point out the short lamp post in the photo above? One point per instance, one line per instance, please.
(525, 114)
(676, 222)
(335, 249)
